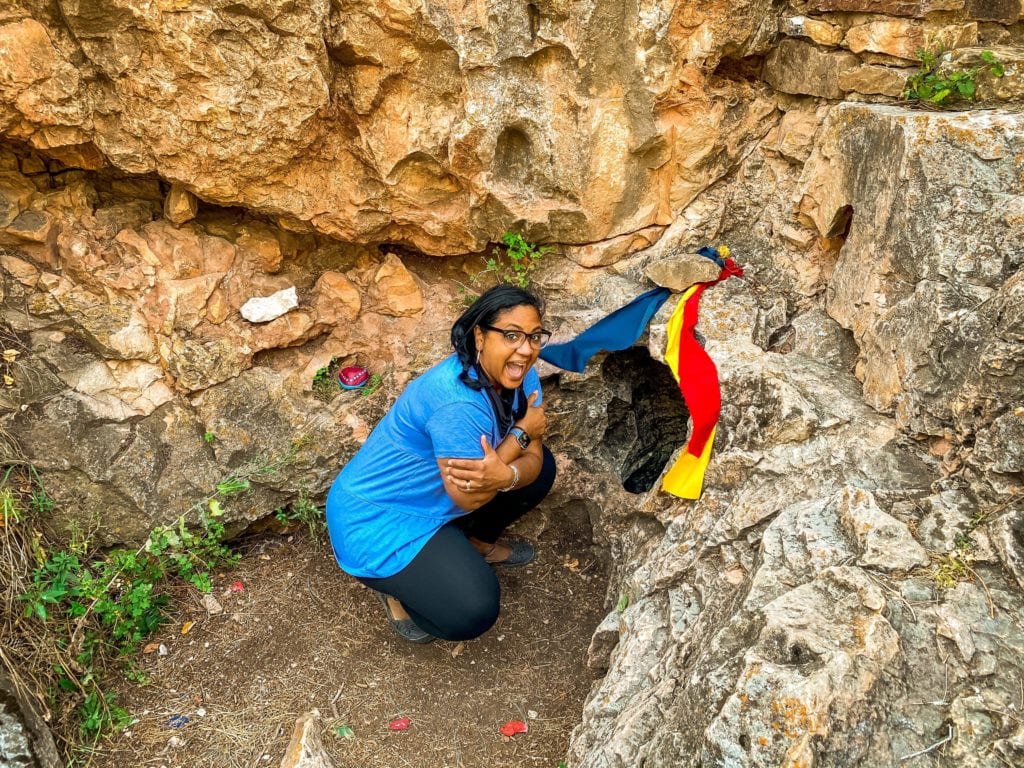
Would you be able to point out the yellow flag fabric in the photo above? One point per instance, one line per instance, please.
(686, 358)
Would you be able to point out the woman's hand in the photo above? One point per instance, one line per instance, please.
(473, 476)
(535, 422)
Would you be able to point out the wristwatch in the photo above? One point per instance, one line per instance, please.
(522, 437)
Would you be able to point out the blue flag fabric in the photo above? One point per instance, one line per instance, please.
(614, 333)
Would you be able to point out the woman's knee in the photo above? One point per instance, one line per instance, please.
(470, 617)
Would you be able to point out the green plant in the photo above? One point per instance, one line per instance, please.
(84, 609)
(209, 437)
(101, 714)
(232, 485)
(519, 260)
(305, 512)
(372, 385)
(941, 87)
(325, 383)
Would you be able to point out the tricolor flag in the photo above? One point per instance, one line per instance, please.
(691, 366)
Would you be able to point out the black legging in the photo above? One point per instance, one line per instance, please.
(448, 589)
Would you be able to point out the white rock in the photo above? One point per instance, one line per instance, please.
(306, 747)
(266, 308)
(211, 605)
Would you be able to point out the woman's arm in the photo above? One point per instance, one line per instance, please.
(488, 476)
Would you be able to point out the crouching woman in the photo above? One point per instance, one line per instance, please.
(418, 513)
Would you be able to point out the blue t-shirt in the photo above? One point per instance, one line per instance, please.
(390, 499)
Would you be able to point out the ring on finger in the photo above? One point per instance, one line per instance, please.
(469, 484)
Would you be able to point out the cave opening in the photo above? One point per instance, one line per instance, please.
(647, 419)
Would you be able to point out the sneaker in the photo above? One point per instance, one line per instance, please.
(405, 627)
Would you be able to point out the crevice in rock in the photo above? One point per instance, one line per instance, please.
(513, 155)
(534, 14)
(647, 419)
(745, 69)
(842, 219)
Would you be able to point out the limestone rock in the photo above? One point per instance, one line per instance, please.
(25, 739)
(926, 304)
(16, 192)
(816, 30)
(336, 299)
(681, 270)
(818, 336)
(796, 133)
(180, 205)
(38, 86)
(35, 226)
(909, 8)
(260, 248)
(197, 364)
(435, 130)
(113, 324)
(305, 750)
(797, 67)
(1000, 447)
(394, 289)
(884, 542)
(118, 390)
(608, 252)
(291, 328)
(263, 309)
(872, 79)
(903, 39)
(603, 642)
(805, 673)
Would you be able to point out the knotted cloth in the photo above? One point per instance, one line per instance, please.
(691, 366)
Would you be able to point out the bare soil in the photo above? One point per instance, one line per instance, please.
(302, 635)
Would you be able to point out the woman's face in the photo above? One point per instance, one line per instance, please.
(505, 364)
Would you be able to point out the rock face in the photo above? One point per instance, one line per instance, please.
(435, 127)
(929, 277)
(848, 589)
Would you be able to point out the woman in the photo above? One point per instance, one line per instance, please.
(418, 512)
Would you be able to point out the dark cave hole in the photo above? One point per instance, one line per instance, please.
(745, 69)
(647, 419)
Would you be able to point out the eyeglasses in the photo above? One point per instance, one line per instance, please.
(514, 339)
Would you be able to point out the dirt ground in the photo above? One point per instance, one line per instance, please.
(301, 635)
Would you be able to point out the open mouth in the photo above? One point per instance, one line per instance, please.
(515, 371)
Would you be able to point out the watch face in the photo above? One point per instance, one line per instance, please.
(524, 438)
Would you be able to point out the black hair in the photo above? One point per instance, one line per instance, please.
(485, 311)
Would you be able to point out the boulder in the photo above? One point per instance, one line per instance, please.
(394, 290)
(180, 205)
(795, 66)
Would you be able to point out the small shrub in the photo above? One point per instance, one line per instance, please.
(945, 87)
(521, 257)
(325, 382)
(305, 511)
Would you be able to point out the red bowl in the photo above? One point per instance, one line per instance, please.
(353, 377)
